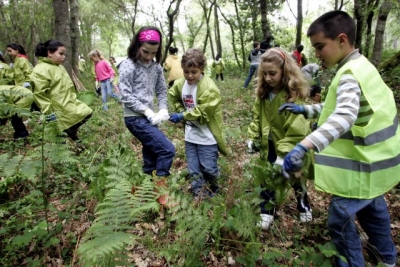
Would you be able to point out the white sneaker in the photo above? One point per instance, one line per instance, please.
(306, 216)
(266, 221)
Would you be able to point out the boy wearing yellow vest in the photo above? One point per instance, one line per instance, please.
(358, 141)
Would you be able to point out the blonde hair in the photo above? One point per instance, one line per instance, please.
(95, 53)
(294, 82)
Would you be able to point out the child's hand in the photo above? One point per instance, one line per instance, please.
(176, 117)
(293, 161)
(295, 109)
(160, 117)
(149, 115)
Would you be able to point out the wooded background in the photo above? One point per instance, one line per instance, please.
(216, 26)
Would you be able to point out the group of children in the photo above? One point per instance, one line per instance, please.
(348, 137)
(357, 138)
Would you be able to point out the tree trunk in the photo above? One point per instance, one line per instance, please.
(299, 22)
(359, 7)
(372, 5)
(62, 28)
(241, 35)
(171, 13)
(386, 6)
(207, 14)
(232, 27)
(75, 35)
(264, 21)
(217, 33)
(337, 6)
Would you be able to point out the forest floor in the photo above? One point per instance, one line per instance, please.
(73, 196)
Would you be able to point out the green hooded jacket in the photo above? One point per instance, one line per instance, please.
(219, 66)
(285, 130)
(22, 70)
(208, 109)
(54, 92)
(6, 74)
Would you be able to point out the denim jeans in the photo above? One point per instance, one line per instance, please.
(202, 162)
(158, 152)
(373, 217)
(106, 90)
(253, 69)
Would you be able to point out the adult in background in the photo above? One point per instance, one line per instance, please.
(54, 91)
(173, 66)
(254, 58)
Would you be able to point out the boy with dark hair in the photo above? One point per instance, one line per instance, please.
(358, 141)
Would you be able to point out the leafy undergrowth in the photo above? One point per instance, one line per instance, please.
(71, 204)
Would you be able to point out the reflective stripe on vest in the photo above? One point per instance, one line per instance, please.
(365, 161)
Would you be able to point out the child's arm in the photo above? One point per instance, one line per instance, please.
(41, 88)
(253, 129)
(343, 117)
(161, 89)
(175, 98)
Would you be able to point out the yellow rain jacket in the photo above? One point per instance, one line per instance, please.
(18, 95)
(285, 130)
(173, 66)
(22, 70)
(54, 92)
(208, 109)
(6, 74)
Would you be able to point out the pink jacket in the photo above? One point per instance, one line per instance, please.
(103, 70)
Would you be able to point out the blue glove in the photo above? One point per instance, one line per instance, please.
(51, 117)
(295, 109)
(293, 161)
(176, 117)
(26, 85)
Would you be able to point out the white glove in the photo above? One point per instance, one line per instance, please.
(149, 115)
(112, 79)
(279, 162)
(11, 65)
(97, 84)
(160, 117)
(26, 85)
(250, 146)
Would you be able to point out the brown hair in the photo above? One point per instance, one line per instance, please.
(194, 58)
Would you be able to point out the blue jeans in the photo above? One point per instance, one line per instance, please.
(253, 69)
(158, 152)
(106, 90)
(373, 217)
(202, 162)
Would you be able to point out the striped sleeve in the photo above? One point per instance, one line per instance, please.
(343, 117)
(312, 111)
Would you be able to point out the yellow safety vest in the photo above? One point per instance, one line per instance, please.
(364, 162)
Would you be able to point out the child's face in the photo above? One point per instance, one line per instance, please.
(272, 74)
(147, 52)
(58, 56)
(329, 51)
(192, 74)
(11, 52)
(95, 59)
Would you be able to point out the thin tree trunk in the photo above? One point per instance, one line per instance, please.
(359, 7)
(241, 34)
(217, 33)
(372, 5)
(171, 13)
(62, 28)
(75, 35)
(299, 22)
(264, 20)
(207, 13)
(386, 6)
(232, 27)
